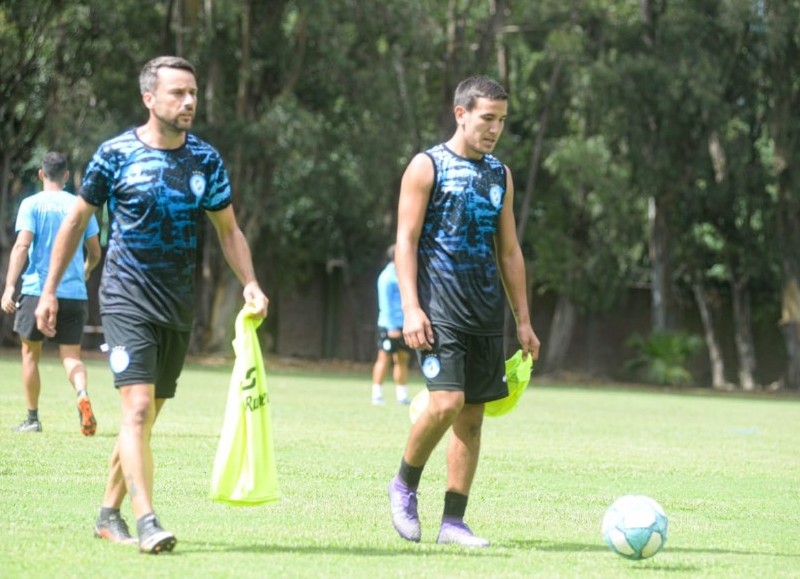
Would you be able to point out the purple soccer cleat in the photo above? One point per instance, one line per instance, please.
(456, 532)
(404, 510)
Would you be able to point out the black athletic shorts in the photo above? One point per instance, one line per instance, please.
(141, 352)
(462, 362)
(391, 345)
(70, 319)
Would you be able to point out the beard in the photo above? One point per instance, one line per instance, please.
(180, 123)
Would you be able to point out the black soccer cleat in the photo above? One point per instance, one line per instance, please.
(153, 539)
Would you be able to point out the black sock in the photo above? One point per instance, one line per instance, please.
(33, 415)
(455, 505)
(106, 512)
(410, 474)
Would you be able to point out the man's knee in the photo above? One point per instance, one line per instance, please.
(138, 404)
(445, 405)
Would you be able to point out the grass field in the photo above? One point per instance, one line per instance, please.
(725, 468)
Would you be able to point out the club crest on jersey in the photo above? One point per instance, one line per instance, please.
(431, 366)
(197, 183)
(496, 195)
(119, 359)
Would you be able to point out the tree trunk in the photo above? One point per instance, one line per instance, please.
(5, 195)
(560, 337)
(715, 359)
(785, 132)
(743, 329)
(659, 263)
(6, 322)
(225, 305)
(449, 73)
(405, 99)
(538, 148)
(790, 323)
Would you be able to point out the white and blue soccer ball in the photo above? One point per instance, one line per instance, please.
(635, 527)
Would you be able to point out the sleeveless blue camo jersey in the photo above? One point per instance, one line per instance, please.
(458, 281)
(155, 198)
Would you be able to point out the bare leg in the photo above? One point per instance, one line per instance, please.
(462, 461)
(400, 370)
(31, 381)
(73, 366)
(400, 375)
(115, 485)
(442, 410)
(464, 449)
(378, 373)
(133, 443)
(379, 368)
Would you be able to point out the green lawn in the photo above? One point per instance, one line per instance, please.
(725, 468)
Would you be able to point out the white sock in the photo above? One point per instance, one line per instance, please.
(402, 392)
(377, 391)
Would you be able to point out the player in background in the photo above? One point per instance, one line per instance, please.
(392, 349)
(158, 181)
(38, 220)
(458, 259)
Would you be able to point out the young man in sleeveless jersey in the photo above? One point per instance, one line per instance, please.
(458, 258)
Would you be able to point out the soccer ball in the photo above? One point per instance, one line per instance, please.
(635, 527)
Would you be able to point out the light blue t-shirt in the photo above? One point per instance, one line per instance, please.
(390, 307)
(42, 214)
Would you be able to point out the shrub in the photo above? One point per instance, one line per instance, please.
(661, 358)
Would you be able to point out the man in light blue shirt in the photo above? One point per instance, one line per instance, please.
(392, 348)
(38, 220)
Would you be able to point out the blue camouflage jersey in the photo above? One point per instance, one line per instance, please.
(155, 199)
(458, 281)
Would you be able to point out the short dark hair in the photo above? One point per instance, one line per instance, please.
(54, 166)
(149, 75)
(479, 86)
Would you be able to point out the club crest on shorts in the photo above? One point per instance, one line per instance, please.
(119, 359)
(496, 195)
(431, 366)
(197, 183)
(387, 344)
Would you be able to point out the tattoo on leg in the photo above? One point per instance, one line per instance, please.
(132, 490)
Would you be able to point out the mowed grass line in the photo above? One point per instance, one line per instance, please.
(725, 468)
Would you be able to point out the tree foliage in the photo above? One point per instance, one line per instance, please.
(652, 142)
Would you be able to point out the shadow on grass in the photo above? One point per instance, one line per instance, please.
(557, 547)
(426, 550)
(585, 547)
(732, 552)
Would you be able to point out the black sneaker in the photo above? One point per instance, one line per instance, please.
(29, 426)
(114, 528)
(152, 538)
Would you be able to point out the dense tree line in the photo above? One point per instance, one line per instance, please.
(652, 142)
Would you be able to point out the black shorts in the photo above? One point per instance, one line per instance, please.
(391, 345)
(70, 319)
(141, 352)
(462, 362)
